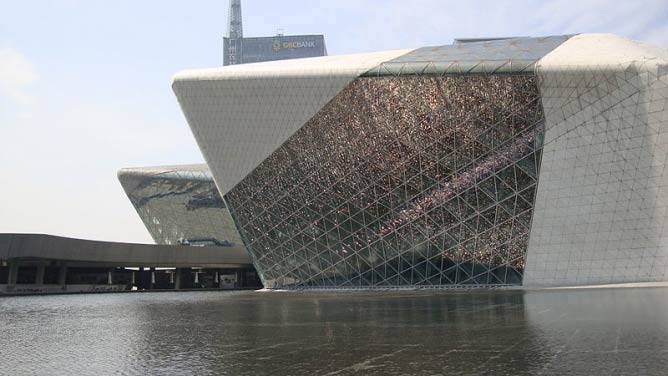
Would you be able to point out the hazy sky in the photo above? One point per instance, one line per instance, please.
(84, 84)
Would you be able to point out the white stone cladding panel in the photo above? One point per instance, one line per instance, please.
(240, 114)
(602, 199)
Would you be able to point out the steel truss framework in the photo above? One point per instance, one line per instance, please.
(400, 181)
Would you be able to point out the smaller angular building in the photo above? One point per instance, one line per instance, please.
(180, 205)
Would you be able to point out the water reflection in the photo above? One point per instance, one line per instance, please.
(550, 332)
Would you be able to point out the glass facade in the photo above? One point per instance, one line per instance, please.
(180, 205)
(400, 181)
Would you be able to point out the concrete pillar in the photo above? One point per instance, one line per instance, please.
(110, 280)
(177, 279)
(39, 276)
(197, 277)
(152, 278)
(62, 275)
(134, 279)
(13, 272)
(216, 280)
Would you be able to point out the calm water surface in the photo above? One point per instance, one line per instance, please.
(602, 331)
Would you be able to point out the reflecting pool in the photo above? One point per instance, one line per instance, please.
(589, 331)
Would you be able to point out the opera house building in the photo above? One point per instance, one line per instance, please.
(514, 162)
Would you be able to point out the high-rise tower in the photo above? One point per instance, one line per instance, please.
(235, 34)
(240, 50)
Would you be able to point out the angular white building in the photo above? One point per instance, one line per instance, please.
(524, 161)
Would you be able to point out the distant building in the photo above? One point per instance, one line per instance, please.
(240, 50)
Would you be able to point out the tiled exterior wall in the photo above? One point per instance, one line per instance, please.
(601, 211)
(240, 114)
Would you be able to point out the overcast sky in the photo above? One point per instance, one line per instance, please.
(84, 84)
